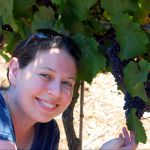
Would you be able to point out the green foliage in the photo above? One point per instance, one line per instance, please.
(69, 20)
(136, 125)
(119, 6)
(23, 28)
(23, 8)
(6, 12)
(135, 75)
(130, 36)
(92, 62)
(81, 11)
(57, 2)
(46, 14)
(90, 22)
(11, 39)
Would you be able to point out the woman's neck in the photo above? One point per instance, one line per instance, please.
(24, 139)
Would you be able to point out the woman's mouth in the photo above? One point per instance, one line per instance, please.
(46, 105)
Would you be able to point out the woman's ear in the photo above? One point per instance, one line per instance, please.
(13, 70)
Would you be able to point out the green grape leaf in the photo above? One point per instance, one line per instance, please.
(44, 18)
(70, 21)
(57, 2)
(93, 25)
(145, 4)
(134, 77)
(92, 62)
(144, 66)
(136, 125)
(23, 29)
(23, 8)
(81, 9)
(6, 11)
(11, 38)
(130, 36)
(119, 6)
(1, 23)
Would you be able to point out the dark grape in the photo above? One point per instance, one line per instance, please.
(128, 100)
(139, 104)
(147, 108)
(134, 102)
(117, 68)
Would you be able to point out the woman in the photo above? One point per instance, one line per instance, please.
(42, 74)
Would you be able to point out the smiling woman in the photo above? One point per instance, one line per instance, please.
(42, 74)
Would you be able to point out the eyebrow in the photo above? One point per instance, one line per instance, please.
(47, 69)
(71, 78)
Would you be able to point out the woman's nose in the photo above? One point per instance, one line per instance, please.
(54, 88)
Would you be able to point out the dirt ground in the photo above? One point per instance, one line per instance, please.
(103, 113)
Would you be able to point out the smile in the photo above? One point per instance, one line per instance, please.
(45, 105)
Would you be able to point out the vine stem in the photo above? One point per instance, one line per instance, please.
(67, 118)
(81, 113)
(106, 37)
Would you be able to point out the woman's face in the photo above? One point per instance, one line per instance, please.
(44, 88)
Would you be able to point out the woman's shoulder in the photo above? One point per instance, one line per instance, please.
(3, 106)
(2, 102)
(6, 125)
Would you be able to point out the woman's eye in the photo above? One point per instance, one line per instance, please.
(45, 76)
(67, 83)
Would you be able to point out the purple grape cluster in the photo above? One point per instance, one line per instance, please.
(117, 70)
(134, 102)
(116, 64)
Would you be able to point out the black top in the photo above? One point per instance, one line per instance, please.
(46, 134)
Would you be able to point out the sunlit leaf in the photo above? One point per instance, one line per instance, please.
(134, 77)
(132, 39)
(92, 62)
(119, 6)
(6, 11)
(23, 8)
(134, 124)
(44, 18)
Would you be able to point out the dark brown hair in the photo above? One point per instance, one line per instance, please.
(42, 40)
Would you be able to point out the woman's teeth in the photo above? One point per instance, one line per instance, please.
(47, 104)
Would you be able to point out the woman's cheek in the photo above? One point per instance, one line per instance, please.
(68, 94)
(38, 83)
